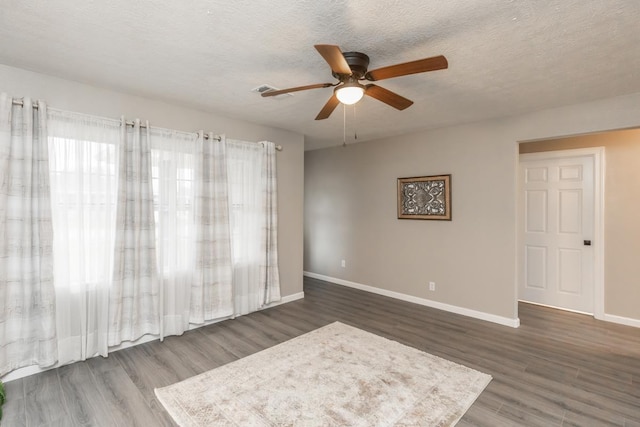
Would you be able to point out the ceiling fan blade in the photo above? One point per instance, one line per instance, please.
(404, 69)
(296, 89)
(388, 97)
(333, 55)
(328, 108)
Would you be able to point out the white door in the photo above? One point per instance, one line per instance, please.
(556, 223)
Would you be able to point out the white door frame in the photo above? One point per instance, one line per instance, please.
(598, 155)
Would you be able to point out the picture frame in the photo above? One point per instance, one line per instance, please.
(425, 197)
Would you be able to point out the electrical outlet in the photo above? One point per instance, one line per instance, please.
(432, 286)
(344, 264)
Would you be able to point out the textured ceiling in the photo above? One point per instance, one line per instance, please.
(505, 56)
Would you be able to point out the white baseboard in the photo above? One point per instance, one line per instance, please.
(505, 321)
(627, 321)
(621, 320)
(32, 370)
(23, 372)
(285, 299)
(556, 307)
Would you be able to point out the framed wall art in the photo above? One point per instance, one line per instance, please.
(425, 197)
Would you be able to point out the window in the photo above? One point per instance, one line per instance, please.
(244, 165)
(174, 195)
(83, 177)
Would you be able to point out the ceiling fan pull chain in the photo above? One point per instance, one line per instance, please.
(355, 123)
(344, 125)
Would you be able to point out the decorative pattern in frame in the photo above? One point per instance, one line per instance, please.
(425, 197)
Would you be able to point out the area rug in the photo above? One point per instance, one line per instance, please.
(337, 375)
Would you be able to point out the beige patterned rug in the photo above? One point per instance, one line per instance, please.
(337, 375)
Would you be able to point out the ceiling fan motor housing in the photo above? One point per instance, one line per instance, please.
(358, 62)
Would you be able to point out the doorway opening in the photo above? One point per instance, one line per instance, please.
(563, 267)
(560, 226)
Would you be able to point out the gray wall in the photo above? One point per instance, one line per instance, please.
(350, 207)
(73, 96)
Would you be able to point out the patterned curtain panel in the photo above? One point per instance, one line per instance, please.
(211, 293)
(134, 296)
(27, 298)
(269, 273)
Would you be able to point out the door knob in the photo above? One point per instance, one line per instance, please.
(587, 242)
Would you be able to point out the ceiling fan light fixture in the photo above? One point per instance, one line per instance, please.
(350, 93)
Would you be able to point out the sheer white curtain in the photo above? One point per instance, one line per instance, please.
(134, 296)
(253, 212)
(173, 159)
(211, 293)
(27, 298)
(153, 229)
(83, 170)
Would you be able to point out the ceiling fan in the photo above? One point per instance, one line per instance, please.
(351, 67)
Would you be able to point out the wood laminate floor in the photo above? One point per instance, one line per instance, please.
(558, 368)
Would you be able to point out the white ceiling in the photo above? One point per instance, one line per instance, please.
(505, 56)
